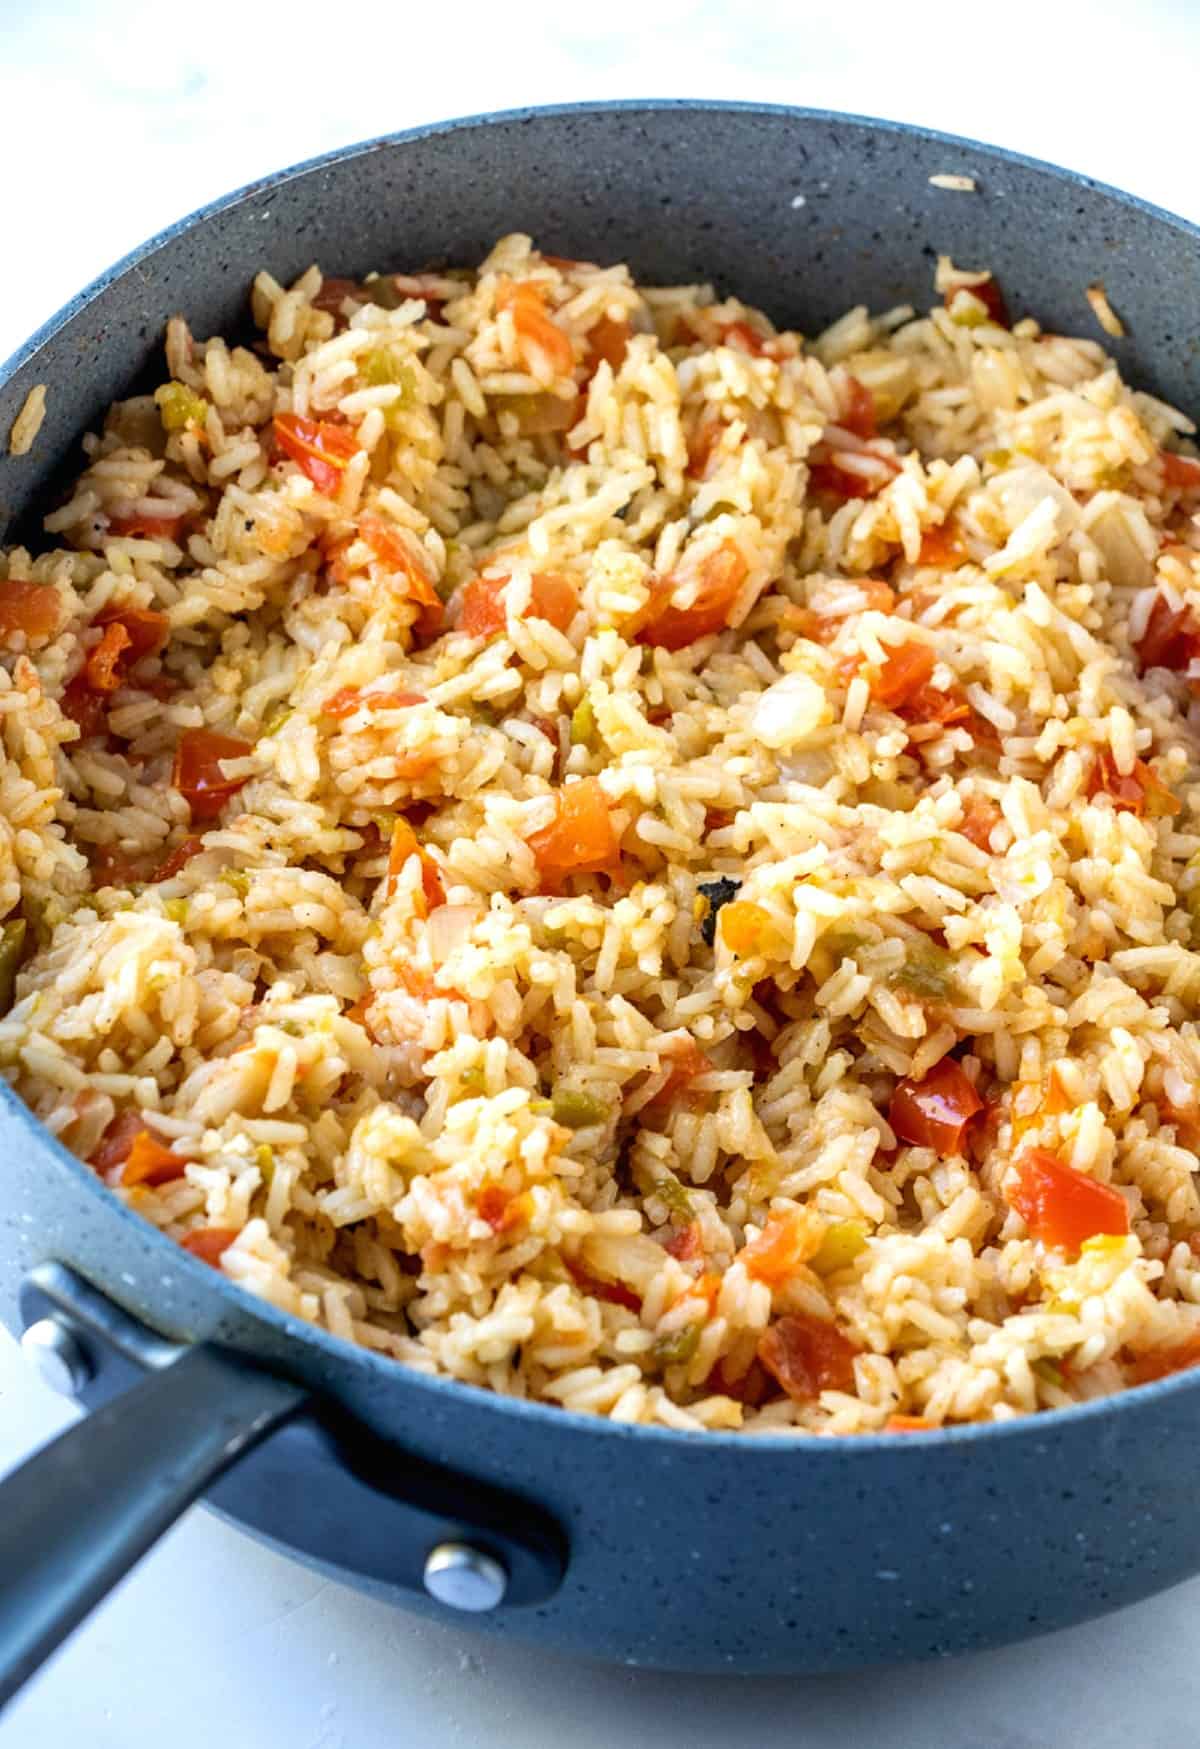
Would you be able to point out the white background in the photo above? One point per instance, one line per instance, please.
(119, 118)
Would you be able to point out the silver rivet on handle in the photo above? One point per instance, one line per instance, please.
(465, 1578)
(57, 1355)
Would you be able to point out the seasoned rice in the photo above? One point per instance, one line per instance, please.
(624, 857)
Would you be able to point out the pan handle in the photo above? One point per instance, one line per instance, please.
(78, 1514)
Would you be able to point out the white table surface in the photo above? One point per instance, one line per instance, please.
(117, 120)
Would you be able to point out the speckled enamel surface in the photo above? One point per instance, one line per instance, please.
(694, 1552)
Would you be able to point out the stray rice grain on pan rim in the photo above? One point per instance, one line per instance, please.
(625, 857)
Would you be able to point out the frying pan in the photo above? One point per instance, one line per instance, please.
(707, 1552)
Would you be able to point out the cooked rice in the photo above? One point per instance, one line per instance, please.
(370, 1075)
(28, 421)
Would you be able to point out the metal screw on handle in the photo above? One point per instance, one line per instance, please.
(57, 1356)
(463, 1577)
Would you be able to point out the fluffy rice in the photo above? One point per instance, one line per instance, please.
(367, 1076)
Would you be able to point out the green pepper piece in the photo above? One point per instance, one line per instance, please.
(238, 879)
(179, 406)
(842, 1243)
(583, 724)
(678, 1346)
(176, 910)
(928, 971)
(577, 1110)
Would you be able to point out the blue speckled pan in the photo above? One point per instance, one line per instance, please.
(709, 1552)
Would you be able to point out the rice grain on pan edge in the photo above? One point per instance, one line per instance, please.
(628, 858)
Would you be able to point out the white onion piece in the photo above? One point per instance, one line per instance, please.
(449, 928)
(788, 712)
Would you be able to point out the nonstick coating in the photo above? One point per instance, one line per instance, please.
(687, 1551)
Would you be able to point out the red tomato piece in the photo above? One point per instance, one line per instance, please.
(390, 548)
(858, 415)
(534, 327)
(907, 1424)
(145, 527)
(209, 1244)
(1140, 791)
(905, 671)
(944, 547)
(687, 1061)
(608, 342)
(706, 440)
(1171, 638)
(669, 627)
(349, 699)
(808, 1356)
(1062, 1207)
(1180, 472)
(319, 448)
(580, 839)
(178, 859)
(744, 338)
(198, 774)
(934, 1112)
(1160, 1363)
(405, 844)
(614, 1292)
(33, 609)
(551, 597)
(148, 1162)
(751, 1387)
(784, 1244)
(686, 1246)
(980, 814)
(991, 297)
(117, 1140)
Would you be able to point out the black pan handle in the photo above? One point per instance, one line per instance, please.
(82, 1511)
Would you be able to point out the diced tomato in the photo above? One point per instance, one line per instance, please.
(608, 342)
(551, 597)
(1140, 791)
(905, 670)
(145, 527)
(349, 699)
(935, 705)
(687, 1246)
(1171, 638)
(808, 1356)
(1055, 1099)
(117, 1140)
(33, 609)
(83, 706)
(743, 338)
(668, 627)
(751, 1387)
(980, 815)
(784, 1244)
(706, 440)
(209, 1244)
(178, 859)
(687, 1061)
(502, 1209)
(333, 294)
(934, 1112)
(943, 546)
(1062, 1207)
(197, 773)
(1160, 1363)
(614, 1292)
(148, 1162)
(404, 844)
(534, 327)
(907, 1424)
(1180, 472)
(111, 867)
(858, 415)
(391, 549)
(145, 629)
(840, 482)
(990, 296)
(321, 450)
(102, 667)
(580, 839)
